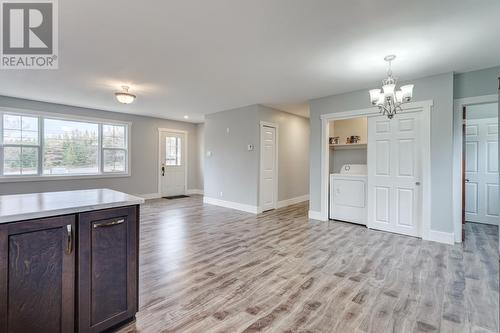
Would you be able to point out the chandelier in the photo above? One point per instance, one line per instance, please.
(388, 99)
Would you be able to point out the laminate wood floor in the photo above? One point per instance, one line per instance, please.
(209, 269)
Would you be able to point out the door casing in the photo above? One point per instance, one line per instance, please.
(186, 158)
(261, 166)
(458, 139)
(423, 106)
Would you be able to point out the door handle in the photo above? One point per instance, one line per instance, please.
(467, 180)
(417, 183)
(163, 171)
(109, 223)
(69, 239)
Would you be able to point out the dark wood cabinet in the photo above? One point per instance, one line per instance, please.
(107, 268)
(71, 273)
(37, 275)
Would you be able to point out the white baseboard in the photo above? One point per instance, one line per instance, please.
(194, 191)
(442, 237)
(314, 215)
(292, 201)
(149, 196)
(230, 204)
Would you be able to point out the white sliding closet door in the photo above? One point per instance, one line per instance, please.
(394, 173)
(481, 171)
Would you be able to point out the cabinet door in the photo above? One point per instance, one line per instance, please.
(107, 268)
(37, 274)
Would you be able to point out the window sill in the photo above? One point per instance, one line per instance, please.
(16, 179)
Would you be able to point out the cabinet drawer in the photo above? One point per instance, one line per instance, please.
(37, 275)
(107, 268)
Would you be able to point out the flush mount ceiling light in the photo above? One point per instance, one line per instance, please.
(388, 99)
(124, 96)
(186, 117)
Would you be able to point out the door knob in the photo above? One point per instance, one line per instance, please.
(417, 183)
(467, 180)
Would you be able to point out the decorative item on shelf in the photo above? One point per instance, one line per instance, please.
(389, 100)
(353, 139)
(334, 140)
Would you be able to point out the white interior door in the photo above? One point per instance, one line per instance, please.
(268, 174)
(481, 171)
(394, 172)
(172, 163)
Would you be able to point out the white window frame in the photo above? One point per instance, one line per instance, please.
(51, 115)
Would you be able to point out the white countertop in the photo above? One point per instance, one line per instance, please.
(20, 207)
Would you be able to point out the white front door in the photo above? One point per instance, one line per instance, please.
(172, 163)
(481, 171)
(394, 171)
(268, 173)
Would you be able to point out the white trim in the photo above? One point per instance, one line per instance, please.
(19, 179)
(441, 237)
(373, 111)
(63, 116)
(231, 205)
(194, 191)
(41, 147)
(422, 106)
(315, 215)
(458, 104)
(275, 194)
(149, 196)
(170, 130)
(292, 201)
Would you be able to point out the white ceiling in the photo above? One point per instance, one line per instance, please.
(188, 57)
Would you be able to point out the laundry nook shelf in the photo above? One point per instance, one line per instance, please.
(348, 146)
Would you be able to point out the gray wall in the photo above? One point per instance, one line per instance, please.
(340, 157)
(476, 83)
(438, 88)
(234, 171)
(481, 111)
(293, 152)
(201, 154)
(144, 151)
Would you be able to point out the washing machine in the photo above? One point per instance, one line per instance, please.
(348, 194)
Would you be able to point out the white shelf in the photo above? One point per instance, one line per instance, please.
(348, 146)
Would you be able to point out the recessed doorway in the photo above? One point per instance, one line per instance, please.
(172, 161)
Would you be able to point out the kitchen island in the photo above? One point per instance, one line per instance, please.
(68, 261)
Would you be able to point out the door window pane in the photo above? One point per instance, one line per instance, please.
(20, 161)
(114, 160)
(20, 130)
(70, 147)
(113, 136)
(173, 151)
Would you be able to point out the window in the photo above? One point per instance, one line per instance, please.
(70, 147)
(20, 145)
(46, 146)
(173, 153)
(114, 148)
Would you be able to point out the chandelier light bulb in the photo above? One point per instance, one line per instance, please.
(390, 99)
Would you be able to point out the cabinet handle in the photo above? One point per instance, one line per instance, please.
(69, 242)
(108, 224)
